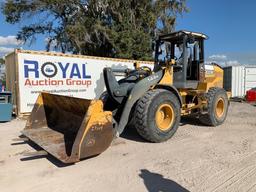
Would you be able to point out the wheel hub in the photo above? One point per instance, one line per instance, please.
(220, 107)
(164, 117)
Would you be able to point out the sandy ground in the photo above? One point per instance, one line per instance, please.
(197, 158)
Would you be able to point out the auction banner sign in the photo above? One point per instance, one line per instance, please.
(80, 77)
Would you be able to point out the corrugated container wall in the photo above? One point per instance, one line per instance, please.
(239, 79)
(250, 78)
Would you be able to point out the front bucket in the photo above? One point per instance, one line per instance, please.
(69, 128)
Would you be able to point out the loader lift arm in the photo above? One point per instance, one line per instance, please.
(133, 93)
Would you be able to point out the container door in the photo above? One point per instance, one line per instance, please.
(238, 81)
(250, 78)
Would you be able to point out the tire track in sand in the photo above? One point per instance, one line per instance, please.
(240, 177)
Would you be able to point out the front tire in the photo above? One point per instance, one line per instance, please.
(157, 115)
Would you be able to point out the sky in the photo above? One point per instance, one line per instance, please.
(230, 24)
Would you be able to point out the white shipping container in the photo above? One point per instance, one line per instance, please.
(239, 79)
(30, 72)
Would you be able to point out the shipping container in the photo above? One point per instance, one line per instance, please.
(239, 79)
(30, 72)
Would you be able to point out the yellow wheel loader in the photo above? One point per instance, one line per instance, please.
(152, 100)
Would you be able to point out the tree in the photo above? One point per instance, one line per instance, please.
(4, 80)
(95, 27)
(3, 77)
(2, 61)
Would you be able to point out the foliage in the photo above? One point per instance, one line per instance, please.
(2, 61)
(112, 28)
(3, 79)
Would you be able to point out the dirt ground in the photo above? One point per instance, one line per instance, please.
(197, 158)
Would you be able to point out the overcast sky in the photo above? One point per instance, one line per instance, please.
(230, 24)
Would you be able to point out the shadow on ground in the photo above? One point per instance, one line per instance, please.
(34, 146)
(155, 182)
(131, 133)
(191, 120)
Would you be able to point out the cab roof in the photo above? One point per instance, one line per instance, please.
(178, 34)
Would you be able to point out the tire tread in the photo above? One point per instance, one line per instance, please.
(141, 115)
(207, 118)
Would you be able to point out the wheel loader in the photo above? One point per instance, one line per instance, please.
(150, 99)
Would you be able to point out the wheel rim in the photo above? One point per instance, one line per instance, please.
(220, 106)
(164, 117)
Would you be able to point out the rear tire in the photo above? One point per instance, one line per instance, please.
(217, 107)
(157, 115)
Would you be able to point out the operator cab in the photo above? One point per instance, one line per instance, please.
(187, 49)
